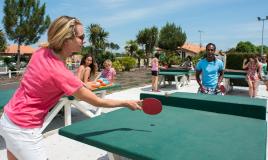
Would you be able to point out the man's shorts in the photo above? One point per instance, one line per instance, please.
(212, 91)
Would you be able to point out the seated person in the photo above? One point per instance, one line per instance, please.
(108, 72)
(188, 64)
(87, 69)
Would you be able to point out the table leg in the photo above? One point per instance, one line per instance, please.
(227, 85)
(67, 114)
(99, 109)
(178, 85)
(161, 78)
(113, 156)
(183, 80)
(50, 116)
(82, 108)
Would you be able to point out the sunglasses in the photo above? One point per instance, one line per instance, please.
(82, 37)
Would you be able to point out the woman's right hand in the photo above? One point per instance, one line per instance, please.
(90, 85)
(202, 89)
(134, 104)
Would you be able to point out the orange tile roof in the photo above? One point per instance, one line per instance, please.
(13, 49)
(193, 47)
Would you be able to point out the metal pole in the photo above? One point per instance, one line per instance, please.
(200, 39)
(262, 37)
(262, 19)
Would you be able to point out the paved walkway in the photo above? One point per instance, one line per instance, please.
(61, 148)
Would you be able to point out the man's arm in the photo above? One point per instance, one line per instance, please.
(197, 77)
(221, 73)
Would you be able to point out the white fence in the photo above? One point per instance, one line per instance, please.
(5, 71)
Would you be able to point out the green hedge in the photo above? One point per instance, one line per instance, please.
(169, 59)
(235, 60)
(124, 63)
(118, 66)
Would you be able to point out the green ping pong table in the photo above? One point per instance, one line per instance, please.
(66, 102)
(231, 76)
(185, 129)
(178, 74)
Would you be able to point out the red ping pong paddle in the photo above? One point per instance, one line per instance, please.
(151, 106)
(222, 88)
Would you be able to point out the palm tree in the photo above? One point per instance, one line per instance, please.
(114, 46)
(147, 38)
(131, 47)
(139, 55)
(97, 37)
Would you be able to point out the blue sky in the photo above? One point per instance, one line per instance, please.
(224, 23)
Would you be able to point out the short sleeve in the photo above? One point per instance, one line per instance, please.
(66, 81)
(198, 66)
(114, 72)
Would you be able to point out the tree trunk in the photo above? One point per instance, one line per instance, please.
(139, 62)
(18, 58)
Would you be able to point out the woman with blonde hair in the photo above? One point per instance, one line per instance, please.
(253, 74)
(44, 82)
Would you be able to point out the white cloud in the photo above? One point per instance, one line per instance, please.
(157, 8)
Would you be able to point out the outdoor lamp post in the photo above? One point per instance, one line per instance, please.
(262, 19)
(200, 38)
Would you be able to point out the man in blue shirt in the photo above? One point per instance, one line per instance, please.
(212, 72)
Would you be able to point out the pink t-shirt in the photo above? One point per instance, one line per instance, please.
(108, 74)
(154, 64)
(44, 82)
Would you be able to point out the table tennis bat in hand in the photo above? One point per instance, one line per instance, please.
(222, 88)
(151, 106)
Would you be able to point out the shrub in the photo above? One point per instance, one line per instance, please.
(118, 66)
(170, 59)
(198, 57)
(128, 62)
(235, 60)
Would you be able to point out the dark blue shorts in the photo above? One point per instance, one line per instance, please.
(154, 73)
